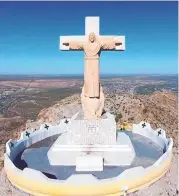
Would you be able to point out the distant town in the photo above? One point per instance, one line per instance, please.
(27, 95)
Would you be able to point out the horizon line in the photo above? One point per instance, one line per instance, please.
(80, 74)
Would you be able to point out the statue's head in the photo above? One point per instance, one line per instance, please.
(92, 37)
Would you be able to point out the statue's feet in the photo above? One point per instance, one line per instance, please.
(92, 107)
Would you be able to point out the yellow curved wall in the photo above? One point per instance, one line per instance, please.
(113, 188)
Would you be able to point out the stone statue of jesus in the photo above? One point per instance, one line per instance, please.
(92, 50)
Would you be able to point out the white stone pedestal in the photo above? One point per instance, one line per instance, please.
(114, 155)
(96, 138)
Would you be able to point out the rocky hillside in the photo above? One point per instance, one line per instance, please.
(10, 128)
(159, 109)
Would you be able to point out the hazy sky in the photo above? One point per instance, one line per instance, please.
(29, 36)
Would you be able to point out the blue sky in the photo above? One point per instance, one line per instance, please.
(29, 36)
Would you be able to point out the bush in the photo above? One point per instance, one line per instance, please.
(145, 110)
(131, 119)
(118, 116)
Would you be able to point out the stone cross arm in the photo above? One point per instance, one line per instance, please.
(91, 25)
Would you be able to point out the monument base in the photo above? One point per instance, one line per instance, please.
(121, 154)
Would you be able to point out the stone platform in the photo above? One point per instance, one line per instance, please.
(93, 140)
(113, 155)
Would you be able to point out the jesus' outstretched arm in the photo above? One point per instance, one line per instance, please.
(110, 44)
(74, 45)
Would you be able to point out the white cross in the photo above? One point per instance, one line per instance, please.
(91, 25)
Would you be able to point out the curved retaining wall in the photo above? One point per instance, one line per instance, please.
(36, 183)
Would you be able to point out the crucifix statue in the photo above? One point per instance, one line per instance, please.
(92, 44)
